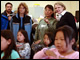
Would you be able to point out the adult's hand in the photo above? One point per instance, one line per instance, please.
(9, 18)
(46, 20)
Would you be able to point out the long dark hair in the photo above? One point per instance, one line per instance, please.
(26, 40)
(7, 34)
(68, 33)
(50, 7)
(50, 35)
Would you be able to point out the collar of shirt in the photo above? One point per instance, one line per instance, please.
(63, 12)
(58, 16)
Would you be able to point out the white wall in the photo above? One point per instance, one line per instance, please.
(71, 6)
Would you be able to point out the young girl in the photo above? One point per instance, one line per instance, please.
(23, 44)
(64, 39)
(48, 40)
(8, 45)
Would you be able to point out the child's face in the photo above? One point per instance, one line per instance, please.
(60, 41)
(46, 40)
(48, 12)
(20, 37)
(4, 43)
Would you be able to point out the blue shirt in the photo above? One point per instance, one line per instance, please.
(21, 22)
(14, 55)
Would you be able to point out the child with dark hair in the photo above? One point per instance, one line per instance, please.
(48, 40)
(23, 44)
(8, 45)
(64, 38)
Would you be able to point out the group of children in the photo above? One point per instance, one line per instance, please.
(57, 46)
(64, 39)
(12, 49)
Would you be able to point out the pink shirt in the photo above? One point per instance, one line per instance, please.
(41, 55)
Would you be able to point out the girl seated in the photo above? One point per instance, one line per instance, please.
(23, 44)
(47, 42)
(8, 45)
(64, 38)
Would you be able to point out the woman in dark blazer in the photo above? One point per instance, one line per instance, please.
(64, 17)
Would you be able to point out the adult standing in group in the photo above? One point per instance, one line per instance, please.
(6, 16)
(46, 24)
(64, 17)
(21, 21)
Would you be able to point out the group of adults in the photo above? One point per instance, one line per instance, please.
(54, 18)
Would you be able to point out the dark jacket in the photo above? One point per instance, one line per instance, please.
(68, 19)
(4, 21)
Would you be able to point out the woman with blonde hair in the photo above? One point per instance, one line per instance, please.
(21, 21)
(64, 17)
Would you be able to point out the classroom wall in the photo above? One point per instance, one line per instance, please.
(71, 6)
